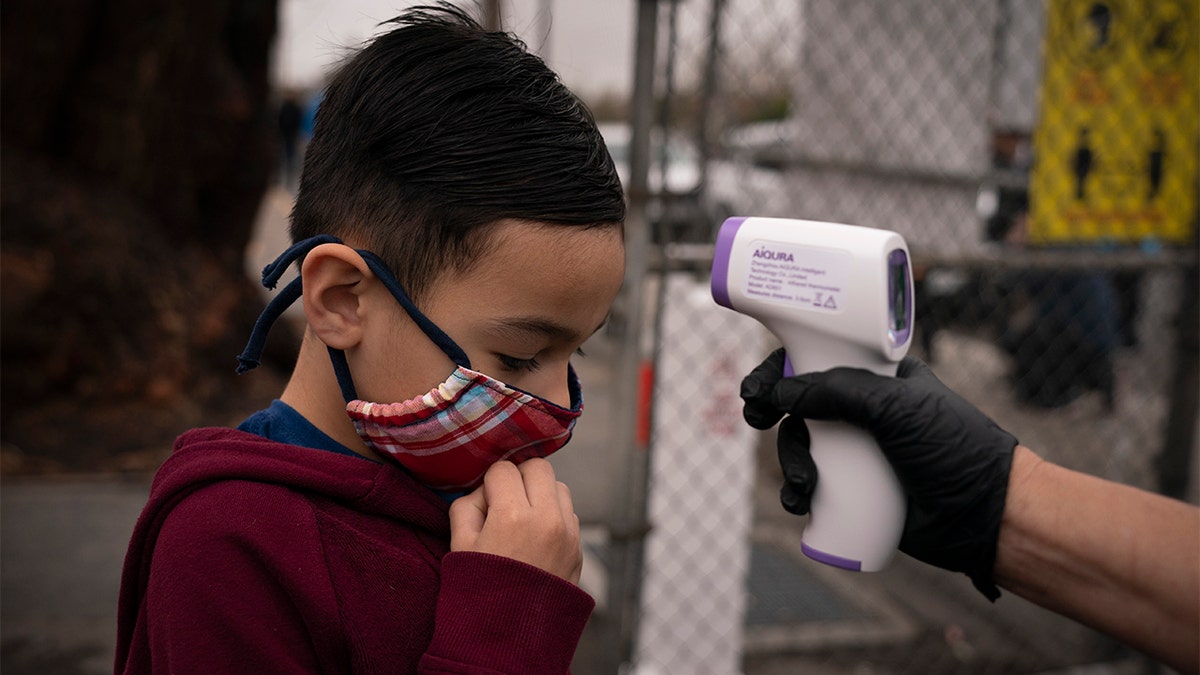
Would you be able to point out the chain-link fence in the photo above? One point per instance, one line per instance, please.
(1040, 159)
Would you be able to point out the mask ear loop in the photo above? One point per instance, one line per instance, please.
(429, 328)
(341, 368)
(448, 346)
(250, 357)
(574, 389)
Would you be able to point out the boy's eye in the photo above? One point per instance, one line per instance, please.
(515, 365)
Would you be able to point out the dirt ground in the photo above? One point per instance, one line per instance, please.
(127, 437)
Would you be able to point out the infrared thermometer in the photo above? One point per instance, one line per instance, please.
(834, 295)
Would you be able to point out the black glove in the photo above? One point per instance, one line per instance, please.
(952, 461)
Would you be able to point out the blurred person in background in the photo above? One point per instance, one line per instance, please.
(1116, 558)
(290, 118)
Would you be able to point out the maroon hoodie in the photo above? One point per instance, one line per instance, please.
(254, 556)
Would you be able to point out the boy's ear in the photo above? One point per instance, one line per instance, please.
(333, 294)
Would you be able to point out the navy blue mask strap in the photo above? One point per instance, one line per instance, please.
(576, 391)
(252, 354)
(439, 338)
(274, 271)
(341, 370)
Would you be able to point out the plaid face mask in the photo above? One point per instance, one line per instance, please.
(449, 437)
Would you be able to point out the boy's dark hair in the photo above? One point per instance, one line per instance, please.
(437, 129)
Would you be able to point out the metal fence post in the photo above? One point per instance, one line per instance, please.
(1179, 438)
(627, 528)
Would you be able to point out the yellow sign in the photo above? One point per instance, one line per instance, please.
(1118, 136)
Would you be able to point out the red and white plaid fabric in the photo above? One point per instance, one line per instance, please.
(449, 437)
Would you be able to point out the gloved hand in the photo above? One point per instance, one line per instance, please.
(952, 461)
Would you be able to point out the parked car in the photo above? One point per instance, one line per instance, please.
(679, 210)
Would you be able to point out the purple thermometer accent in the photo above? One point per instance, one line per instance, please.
(788, 370)
(828, 559)
(720, 265)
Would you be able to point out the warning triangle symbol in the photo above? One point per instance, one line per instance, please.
(830, 304)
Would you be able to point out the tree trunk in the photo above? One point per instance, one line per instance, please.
(137, 141)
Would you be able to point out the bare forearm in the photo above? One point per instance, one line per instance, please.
(1116, 558)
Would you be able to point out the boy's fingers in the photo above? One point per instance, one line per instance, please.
(571, 520)
(540, 484)
(467, 515)
(503, 486)
(566, 504)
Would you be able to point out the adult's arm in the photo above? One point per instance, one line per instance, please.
(1119, 559)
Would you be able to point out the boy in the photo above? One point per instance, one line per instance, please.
(457, 213)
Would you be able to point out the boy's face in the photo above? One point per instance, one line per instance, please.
(520, 313)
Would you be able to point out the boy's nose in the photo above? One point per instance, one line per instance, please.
(553, 387)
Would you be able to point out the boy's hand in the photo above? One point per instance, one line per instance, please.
(520, 512)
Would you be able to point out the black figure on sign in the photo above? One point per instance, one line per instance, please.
(1083, 163)
(1099, 19)
(1154, 166)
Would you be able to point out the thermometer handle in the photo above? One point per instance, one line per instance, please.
(858, 508)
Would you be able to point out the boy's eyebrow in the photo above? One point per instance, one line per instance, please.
(521, 327)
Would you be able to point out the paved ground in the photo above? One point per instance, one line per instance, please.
(63, 544)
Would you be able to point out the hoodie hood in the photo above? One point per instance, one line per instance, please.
(202, 457)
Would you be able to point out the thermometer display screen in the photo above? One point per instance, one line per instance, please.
(899, 298)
